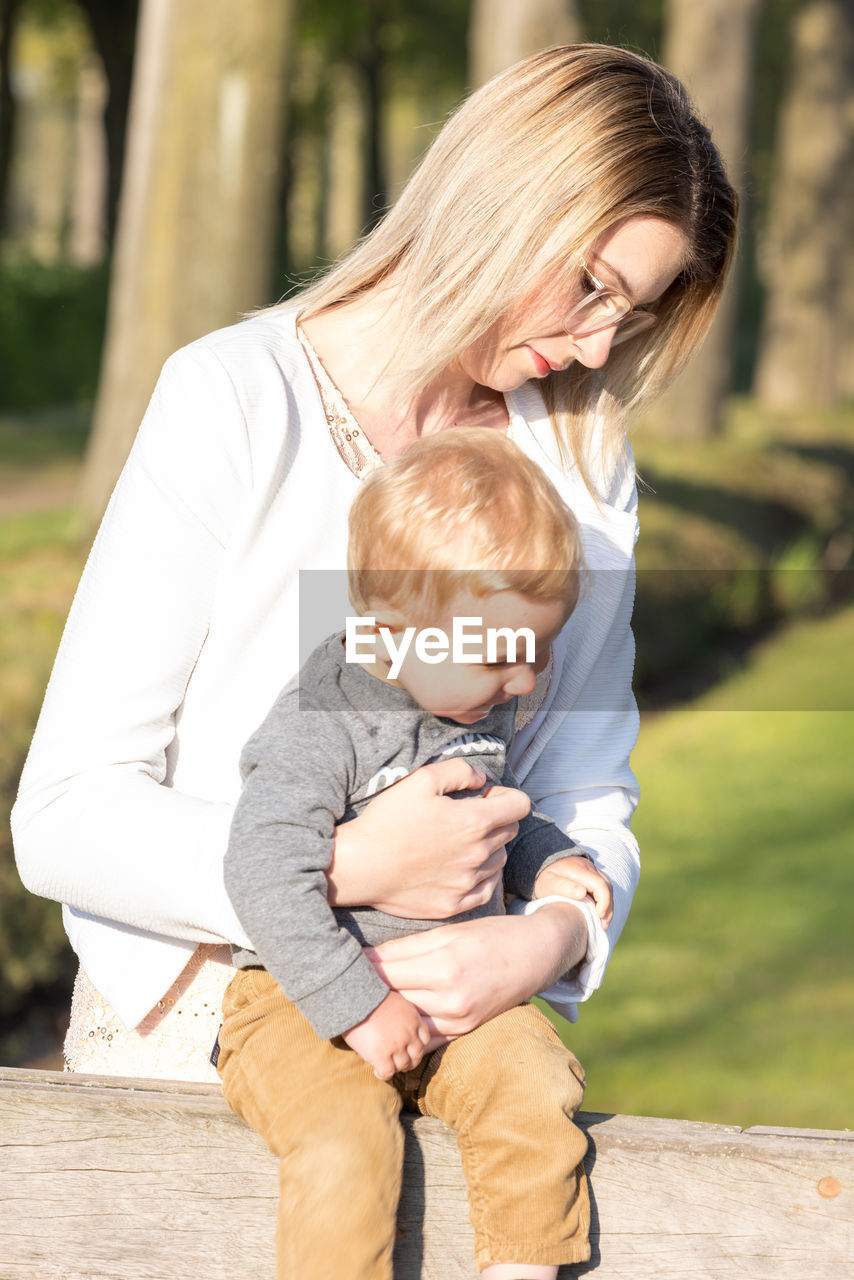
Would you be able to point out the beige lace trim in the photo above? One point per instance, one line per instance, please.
(173, 1042)
(348, 437)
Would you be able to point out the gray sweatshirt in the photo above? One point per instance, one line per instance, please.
(335, 737)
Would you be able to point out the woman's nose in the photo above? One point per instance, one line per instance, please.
(593, 350)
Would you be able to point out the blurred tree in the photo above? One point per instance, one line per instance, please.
(9, 10)
(87, 238)
(50, 47)
(503, 31)
(113, 25)
(356, 36)
(805, 356)
(198, 198)
(367, 80)
(634, 24)
(710, 46)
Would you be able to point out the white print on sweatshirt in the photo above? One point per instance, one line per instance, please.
(467, 744)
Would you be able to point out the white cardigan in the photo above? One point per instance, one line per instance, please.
(183, 631)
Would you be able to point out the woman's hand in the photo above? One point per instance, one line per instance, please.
(461, 975)
(417, 852)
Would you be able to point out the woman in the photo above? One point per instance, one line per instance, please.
(555, 259)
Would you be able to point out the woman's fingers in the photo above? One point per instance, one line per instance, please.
(455, 774)
(413, 946)
(484, 889)
(507, 806)
(412, 964)
(501, 808)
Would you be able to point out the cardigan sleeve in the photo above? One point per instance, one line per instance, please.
(93, 826)
(582, 778)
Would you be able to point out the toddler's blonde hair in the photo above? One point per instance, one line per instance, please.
(465, 509)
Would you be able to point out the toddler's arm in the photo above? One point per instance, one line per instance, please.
(392, 1038)
(576, 877)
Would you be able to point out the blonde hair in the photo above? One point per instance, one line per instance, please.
(529, 172)
(461, 510)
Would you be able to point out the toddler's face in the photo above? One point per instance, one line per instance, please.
(466, 691)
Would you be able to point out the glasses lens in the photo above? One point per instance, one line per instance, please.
(599, 311)
(637, 322)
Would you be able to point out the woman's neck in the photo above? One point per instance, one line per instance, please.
(356, 343)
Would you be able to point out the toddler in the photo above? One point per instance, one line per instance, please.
(316, 1052)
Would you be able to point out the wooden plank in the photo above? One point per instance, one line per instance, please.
(105, 1179)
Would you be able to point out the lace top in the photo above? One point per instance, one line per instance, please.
(173, 1042)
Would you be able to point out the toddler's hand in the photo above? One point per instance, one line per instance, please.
(575, 877)
(392, 1038)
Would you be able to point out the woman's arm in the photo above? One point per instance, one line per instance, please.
(595, 812)
(94, 825)
(582, 778)
(98, 824)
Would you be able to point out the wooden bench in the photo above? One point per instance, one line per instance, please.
(109, 1179)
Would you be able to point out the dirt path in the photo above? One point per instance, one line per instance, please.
(26, 490)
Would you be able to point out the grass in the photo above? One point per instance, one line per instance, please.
(730, 995)
(739, 533)
(40, 561)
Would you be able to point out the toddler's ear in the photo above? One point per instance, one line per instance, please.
(387, 616)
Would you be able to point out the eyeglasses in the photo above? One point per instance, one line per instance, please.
(605, 308)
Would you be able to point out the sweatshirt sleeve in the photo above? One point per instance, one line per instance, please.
(538, 843)
(295, 790)
(93, 825)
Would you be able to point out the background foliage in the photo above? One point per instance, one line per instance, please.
(730, 995)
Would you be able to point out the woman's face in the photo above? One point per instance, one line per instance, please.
(640, 257)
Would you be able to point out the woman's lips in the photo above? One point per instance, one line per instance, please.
(541, 364)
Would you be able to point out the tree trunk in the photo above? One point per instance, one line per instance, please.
(198, 200)
(502, 32)
(113, 24)
(371, 65)
(806, 349)
(345, 205)
(710, 46)
(87, 239)
(306, 168)
(8, 14)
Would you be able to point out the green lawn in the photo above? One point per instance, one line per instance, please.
(730, 996)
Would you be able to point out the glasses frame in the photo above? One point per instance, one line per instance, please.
(643, 319)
